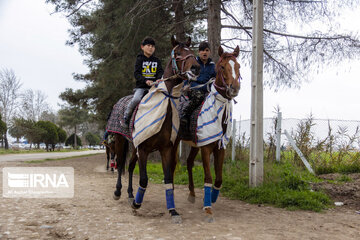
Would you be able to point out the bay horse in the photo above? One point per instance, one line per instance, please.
(227, 84)
(110, 154)
(181, 66)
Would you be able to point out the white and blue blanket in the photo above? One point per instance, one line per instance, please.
(209, 122)
(152, 111)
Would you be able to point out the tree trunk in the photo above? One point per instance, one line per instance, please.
(75, 142)
(178, 6)
(6, 141)
(214, 27)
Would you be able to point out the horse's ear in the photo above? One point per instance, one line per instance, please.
(220, 51)
(173, 41)
(188, 42)
(236, 51)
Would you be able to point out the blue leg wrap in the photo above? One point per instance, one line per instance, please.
(140, 195)
(214, 195)
(207, 196)
(170, 204)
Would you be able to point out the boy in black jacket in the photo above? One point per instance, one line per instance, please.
(147, 70)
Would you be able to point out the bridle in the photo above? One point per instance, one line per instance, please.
(176, 59)
(225, 86)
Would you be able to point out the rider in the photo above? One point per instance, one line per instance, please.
(147, 70)
(199, 87)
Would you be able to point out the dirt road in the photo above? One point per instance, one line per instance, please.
(93, 214)
(39, 156)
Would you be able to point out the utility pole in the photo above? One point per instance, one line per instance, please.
(256, 169)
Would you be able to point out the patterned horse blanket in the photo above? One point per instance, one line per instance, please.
(149, 115)
(206, 121)
(152, 111)
(116, 122)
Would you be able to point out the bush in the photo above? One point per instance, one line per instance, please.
(70, 140)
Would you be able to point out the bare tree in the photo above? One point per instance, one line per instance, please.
(9, 94)
(33, 104)
(300, 37)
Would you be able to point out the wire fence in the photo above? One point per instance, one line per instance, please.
(320, 130)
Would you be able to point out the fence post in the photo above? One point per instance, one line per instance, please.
(278, 137)
(298, 151)
(233, 141)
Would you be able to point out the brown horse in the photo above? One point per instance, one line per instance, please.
(182, 65)
(110, 154)
(227, 84)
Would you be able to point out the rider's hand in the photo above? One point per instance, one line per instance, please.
(149, 82)
(186, 88)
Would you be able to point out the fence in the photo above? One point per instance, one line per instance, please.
(326, 144)
(320, 128)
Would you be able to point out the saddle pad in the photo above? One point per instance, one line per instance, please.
(116, 123)
(210, 120)
(152, 110)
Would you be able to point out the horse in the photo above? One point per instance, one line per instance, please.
(110, 154)
(181, 66)
(226, 85)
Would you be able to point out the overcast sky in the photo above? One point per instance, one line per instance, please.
(32, 43)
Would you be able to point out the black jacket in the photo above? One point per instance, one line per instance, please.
(147, 69)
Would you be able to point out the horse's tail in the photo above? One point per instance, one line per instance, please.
(124, 155)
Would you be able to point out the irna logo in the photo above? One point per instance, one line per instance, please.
(38, 182)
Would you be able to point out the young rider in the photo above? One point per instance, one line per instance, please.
(147, 70)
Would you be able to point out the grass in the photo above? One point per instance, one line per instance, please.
(12, 151)
(284, 185)
(57, 159)
(336, 162)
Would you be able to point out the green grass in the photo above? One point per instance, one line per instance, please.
(284, 185)
(11, 151)
(58, 159)
(323, 162)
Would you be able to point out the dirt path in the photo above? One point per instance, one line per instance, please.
(93, 214)
(39, 156)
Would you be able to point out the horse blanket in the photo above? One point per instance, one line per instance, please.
(116, 122)
(149, 115)
(152, 110)
(206, 121)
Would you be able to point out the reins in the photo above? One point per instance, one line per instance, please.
(225, 86)
(179, 58)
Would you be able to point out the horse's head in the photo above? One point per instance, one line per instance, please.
(228, 73)
(183, 60)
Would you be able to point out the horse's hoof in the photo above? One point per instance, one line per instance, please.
(130, 201)
(176, 219)
(116, 197)
(209, 219)
(135, 206)
(208, 215)
(191, 198)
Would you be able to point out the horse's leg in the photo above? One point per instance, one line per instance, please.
(168, 166)
(219, 155)
(120, 152)
(117, 192)
(112, 160)
(190, 164)
(107, 157)
(205, 154)
(132, 165)
(142, 155)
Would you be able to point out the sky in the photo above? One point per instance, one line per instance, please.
(32, 44)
